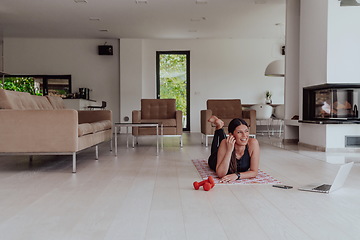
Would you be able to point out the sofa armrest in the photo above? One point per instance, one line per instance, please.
(206, 127)
(251, 115)
(33, 131)
(86, 116)
(136, 118)
(179, 126)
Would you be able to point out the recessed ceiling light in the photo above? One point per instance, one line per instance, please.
(80, 1)
(198, 19)
(141, 1)
(201, 1)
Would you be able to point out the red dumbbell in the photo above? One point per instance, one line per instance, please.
(197, 185)
(209, 184)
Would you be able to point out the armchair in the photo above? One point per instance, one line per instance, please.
(226, 110)
(161, 111)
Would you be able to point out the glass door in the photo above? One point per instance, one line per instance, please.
(173, 80)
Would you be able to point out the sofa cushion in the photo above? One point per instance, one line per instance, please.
(4, 101)
(225, 108)
(101, 125)
(84, 129)
(56, 102)
(42, 102)
(16, 100)
(158, 108)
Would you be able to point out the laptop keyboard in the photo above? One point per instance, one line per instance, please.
(324, 187)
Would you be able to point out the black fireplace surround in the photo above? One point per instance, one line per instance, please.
(331, 104)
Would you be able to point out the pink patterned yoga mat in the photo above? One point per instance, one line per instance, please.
(205, 171)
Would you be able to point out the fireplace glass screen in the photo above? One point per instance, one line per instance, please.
(336, 103)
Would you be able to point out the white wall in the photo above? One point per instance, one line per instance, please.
(77, 57)
(131, 76)
(219, 68)
(343, 44)
(313, 42)
(292, 91)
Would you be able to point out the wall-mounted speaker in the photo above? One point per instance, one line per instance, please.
(105, 50)
(283, 50)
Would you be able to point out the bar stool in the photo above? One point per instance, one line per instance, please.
(263, 113)
(279, 116)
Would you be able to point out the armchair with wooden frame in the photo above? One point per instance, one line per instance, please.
(226, 110)
(161, 111)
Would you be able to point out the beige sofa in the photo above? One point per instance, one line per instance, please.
(40, 125)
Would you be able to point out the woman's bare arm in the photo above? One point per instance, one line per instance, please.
(224, 155)
(254, 152)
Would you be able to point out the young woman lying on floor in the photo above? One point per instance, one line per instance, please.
(234, 157)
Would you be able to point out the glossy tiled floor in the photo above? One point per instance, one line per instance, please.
(138, 195)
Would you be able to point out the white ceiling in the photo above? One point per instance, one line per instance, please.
(156, 19)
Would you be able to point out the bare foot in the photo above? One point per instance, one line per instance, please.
(212, 119)
(219, 124)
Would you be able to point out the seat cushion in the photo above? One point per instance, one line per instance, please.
(84, 129)
(101, 125)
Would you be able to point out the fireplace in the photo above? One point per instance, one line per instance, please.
(331, 103)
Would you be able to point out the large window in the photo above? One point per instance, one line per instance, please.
(53, 85)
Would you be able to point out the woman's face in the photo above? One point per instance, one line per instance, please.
(241, 134)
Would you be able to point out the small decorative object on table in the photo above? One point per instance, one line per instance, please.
(268, 95)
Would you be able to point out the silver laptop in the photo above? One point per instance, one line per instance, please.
(338, 182)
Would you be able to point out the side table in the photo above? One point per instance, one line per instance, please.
(127, 125)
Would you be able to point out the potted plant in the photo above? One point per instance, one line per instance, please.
(268, 95)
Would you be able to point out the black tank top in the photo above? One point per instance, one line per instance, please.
(243, 164)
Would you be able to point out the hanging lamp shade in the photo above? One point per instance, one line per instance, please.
(275, 69)
(348, 3)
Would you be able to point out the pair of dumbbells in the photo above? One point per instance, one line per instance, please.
(207, 184)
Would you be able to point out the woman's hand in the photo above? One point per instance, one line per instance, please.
(229, 178)
(230, 143)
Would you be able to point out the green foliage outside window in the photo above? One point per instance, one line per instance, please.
(173, 79)
(20, 84)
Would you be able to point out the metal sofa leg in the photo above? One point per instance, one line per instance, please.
(96, 152)
(74, 162)
(181, 141)
(111, 145)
